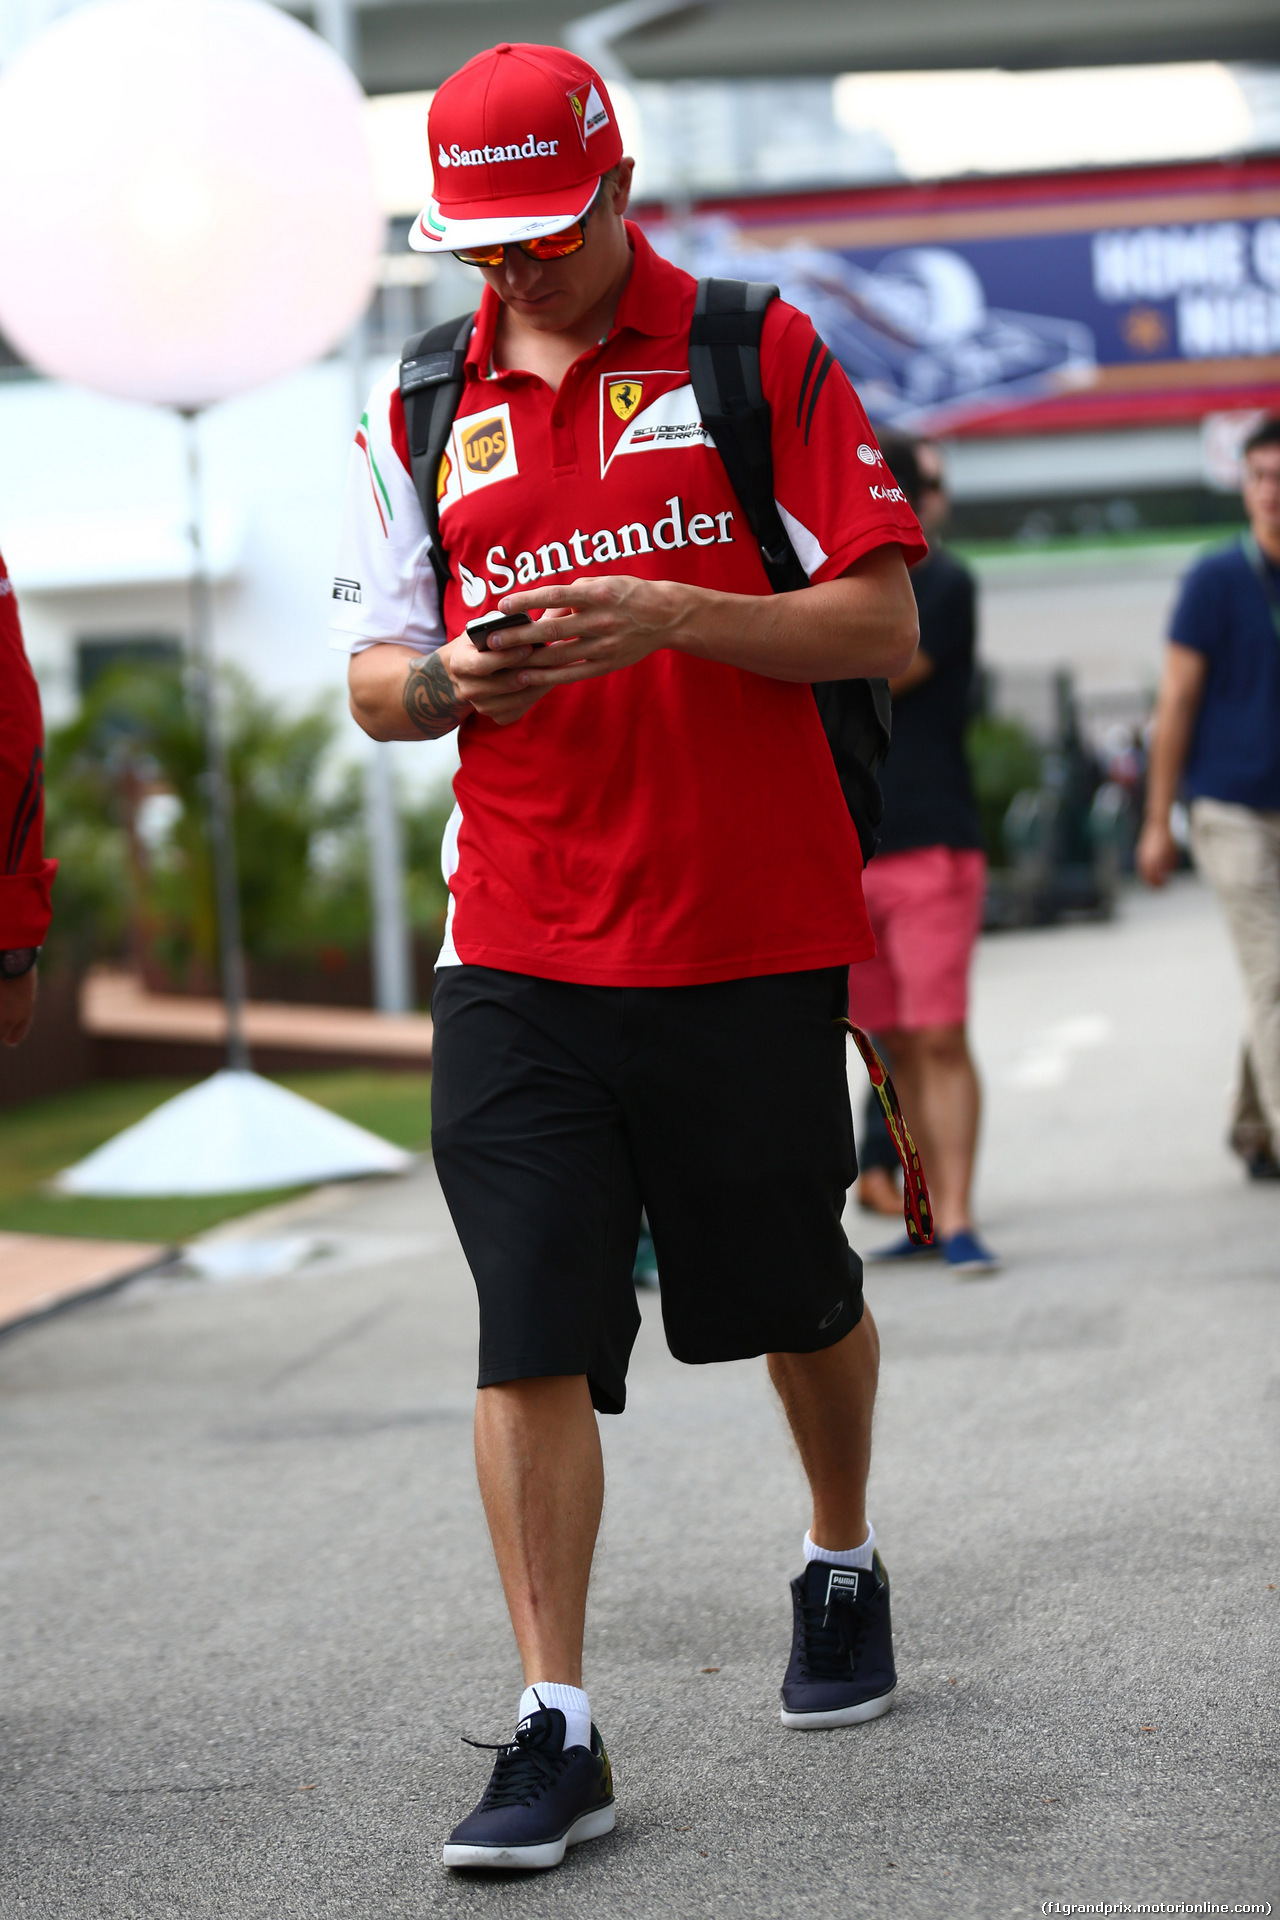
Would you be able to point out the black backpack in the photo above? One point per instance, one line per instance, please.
(724, 370)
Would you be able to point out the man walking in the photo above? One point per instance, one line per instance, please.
(1217, 736)
(926, 889)
(654, 891)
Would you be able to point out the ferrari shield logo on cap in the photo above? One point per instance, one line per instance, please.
(624, 397)
(588, 109)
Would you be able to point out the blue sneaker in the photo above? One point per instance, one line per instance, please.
(965, 1254)
(841, 1669)
(902, 1252)
(540, 1799)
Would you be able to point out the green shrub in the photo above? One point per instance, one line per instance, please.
(1003, 759)
(127, 821)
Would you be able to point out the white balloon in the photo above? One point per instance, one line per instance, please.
(186, 199)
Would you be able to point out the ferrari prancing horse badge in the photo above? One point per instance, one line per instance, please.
(624, 397)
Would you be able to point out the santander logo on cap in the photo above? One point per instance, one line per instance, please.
(519, 138)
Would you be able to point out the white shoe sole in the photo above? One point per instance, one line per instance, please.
(588, 1826)
(840, 1716)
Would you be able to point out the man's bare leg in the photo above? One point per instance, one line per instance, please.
(828, 1399)
(541, 1479)
(938, 1087)
(841, 1670)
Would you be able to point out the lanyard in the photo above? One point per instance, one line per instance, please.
(915, 1194)
(1254, 555)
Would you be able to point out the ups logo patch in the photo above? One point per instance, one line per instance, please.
(484, 445)
(485, 451)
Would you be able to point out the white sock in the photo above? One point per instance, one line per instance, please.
(846, 1556)
(572, 1702)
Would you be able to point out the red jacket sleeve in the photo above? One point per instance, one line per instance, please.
(26, 877)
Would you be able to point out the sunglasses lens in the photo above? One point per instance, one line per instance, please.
(479, 256)
(556, 246)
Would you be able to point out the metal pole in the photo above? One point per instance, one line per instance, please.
(392, 953)
(217, 775)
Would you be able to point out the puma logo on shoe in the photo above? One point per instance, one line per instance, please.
(843, 1580)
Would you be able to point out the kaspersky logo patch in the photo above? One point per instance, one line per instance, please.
(588, 109)
(842, 1580)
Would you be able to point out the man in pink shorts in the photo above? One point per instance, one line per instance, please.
(924, 890)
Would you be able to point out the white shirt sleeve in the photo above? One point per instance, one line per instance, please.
(384, 585)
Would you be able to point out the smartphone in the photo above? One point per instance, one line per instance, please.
(478, 630)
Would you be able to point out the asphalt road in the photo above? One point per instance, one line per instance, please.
(250, 1607)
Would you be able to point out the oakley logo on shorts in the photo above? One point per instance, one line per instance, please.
(829, 1319)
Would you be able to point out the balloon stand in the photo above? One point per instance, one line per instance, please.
(236, 1132)
(227, 232)
(203, 686)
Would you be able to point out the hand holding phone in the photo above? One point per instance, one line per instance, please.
(479, 630)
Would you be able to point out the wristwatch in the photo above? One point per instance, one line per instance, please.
(15, 961)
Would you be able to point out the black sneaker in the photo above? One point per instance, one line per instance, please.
(841, 1668)
(541, 1798)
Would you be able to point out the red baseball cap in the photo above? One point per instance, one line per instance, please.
(519, 139)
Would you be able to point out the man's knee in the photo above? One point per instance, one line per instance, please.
(859, 1349)
(943, 1046)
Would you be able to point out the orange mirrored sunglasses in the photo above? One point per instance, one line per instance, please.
(552, 246)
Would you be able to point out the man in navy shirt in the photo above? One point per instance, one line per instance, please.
(1217, 734)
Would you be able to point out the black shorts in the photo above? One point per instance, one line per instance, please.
(558, 1111)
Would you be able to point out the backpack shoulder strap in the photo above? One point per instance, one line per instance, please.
(431, 381)
(724, 369)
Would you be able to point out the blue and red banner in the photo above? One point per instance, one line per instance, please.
(1053, 301)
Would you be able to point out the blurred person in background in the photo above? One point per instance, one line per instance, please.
(1216, 738)
(26, 877)
(925, 891)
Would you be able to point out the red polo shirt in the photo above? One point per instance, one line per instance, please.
(678, 821)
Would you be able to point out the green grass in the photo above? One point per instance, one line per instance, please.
(41, 1137)
(1094, 546)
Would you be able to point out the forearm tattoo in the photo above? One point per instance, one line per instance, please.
(429, 697)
